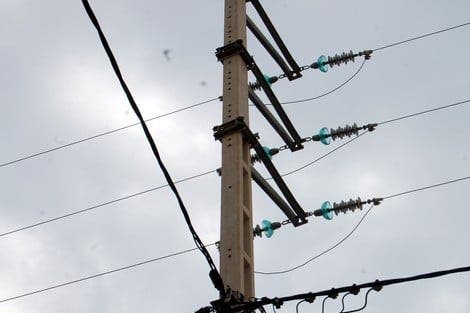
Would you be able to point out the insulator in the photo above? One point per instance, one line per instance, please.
(337, 59)
(269, 152)
(346, 131)
(269, 80)
(267, 228)
(350, 205)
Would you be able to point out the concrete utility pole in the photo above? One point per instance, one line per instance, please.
(236, 234)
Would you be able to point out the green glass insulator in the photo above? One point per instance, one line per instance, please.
(267, 79)
(268, 152)
(267, 228)
(324, 135)
(322, 66)
(327, 214)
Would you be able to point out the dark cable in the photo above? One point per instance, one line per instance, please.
(101, 274)
(419, 37)
(332, 90)
(322, 253)
(376, 285)
(323, 304)
(424, 112)
(297, 306)
(102, 134)
(214, 274)
(100, 205)
(364, 305)
(426, 187)
(342, 301)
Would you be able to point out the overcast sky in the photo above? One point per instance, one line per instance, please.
(57, 86)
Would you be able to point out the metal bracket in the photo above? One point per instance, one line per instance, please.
(234, 48)
(228, 128)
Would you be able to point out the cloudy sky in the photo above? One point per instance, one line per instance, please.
(57, 86)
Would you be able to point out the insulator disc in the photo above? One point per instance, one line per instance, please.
(325, 210)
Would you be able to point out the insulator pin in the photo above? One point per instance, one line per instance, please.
(269, 80)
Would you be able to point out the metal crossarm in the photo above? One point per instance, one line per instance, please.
(237, 47)
(270, 118)
(268, 46)
(295, 73)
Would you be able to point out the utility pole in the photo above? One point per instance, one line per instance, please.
(236, 234)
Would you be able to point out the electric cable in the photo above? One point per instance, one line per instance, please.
(321, 253)
(72, 143)
(357, 226)
(211, 171)
(420, 37)
(332, 90)
(424, 112)
(377, 285)
(101, 205)
(219, 98)
(214, 274)
(212, 244)
(101, 274)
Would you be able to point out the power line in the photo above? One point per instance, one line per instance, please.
(101, 205)
(214, 274)
(218, 98)
(424, 112)
(420, 37)
(102, 274)
(321, 253)
(211, 171)
(30, 156)
(332, 90)
(377, 285)
(357, 226)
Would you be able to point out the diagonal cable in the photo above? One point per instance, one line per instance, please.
(214, 274)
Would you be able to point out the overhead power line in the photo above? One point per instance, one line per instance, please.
(94, 207)
(102, 274)
(211, 171)
(30, 156)
(72, 143)
(215, 243)
(213, 274)
(291, 269)
(420, 37)
(377, 285)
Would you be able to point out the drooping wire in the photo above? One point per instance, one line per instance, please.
(94, 207)
(101, 274)
(420, 37)
(363, 306)
(321, 253)
(298, 304)
(359, 223)
(214, 274)
(331, 91)
(323, 304)
(342, 301)
(72, 143)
